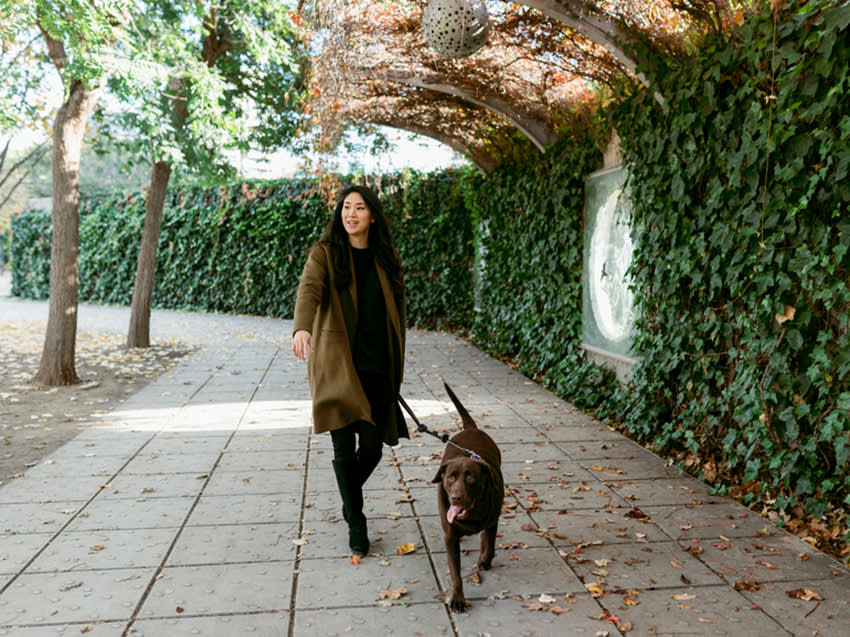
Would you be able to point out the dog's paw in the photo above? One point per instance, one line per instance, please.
(458, 604)
(484, 564)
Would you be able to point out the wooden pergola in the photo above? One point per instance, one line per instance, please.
(544, 60)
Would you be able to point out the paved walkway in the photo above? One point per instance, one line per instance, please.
(203, 505)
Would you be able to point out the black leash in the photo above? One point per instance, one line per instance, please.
(423, 429)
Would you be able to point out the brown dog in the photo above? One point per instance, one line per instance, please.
(470, 495)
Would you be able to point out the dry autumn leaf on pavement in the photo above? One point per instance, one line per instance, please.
(407, 547)
(805, 594)
(393, 594)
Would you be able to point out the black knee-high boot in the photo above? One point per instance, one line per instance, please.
(351, 490)
(366, 464)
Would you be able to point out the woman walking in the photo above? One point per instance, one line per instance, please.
(350, 326)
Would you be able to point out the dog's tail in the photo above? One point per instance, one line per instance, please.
(468, 422)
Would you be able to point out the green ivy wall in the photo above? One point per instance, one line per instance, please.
(741, 194)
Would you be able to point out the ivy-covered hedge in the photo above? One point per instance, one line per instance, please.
(241, 248)
(434, 232)
(531, 238)
(741, 195)
(741, 230)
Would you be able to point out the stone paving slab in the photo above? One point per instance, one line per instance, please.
(100, 550)
(426, 619)
(235, 543)
(60, 598)
(220, 588)
(254, 508)
(203, 505)
(686, 610)
(262, 624)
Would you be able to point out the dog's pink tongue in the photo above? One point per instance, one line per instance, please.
(454, 512)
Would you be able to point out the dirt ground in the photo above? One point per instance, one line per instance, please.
(34, 421)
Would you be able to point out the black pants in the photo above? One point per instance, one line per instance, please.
(371, 437)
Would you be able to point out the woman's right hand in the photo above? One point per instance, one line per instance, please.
(302, 344)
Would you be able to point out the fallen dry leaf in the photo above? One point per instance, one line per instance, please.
(393, 594)
(593, 589)
(746, 585)
(805, 594)
(404, 549)
(536, 606)
(631, 598)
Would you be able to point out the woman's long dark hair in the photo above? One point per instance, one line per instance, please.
(380, 240)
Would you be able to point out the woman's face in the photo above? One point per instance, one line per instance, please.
(356, 218)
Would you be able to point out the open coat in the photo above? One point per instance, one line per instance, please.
(330, 315)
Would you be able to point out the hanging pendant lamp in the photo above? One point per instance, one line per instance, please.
(456, 28)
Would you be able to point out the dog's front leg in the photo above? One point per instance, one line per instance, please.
(458, 602)
(488, 547)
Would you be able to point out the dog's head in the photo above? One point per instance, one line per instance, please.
(465, 482)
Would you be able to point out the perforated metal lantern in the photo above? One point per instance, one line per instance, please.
(456, 28)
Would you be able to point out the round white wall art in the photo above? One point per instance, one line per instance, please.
(456, 28)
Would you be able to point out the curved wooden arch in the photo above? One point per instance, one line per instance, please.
(584, 18)
(538, 132)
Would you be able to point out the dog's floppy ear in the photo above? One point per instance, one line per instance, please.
(439, 476)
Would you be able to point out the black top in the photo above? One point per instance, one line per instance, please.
(370, 352)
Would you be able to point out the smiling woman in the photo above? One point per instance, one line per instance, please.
(350, 326)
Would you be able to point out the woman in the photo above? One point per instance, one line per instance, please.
(350, 324)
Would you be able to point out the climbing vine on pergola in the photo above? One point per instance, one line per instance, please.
(545, 60)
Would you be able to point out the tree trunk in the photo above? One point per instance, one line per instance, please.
(215, 44)
(140, 311)
(57, 366)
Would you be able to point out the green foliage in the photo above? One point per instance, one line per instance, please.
(88, 31)
(30, 254)
(241, 248)
(742, 234)
(433, 230)
(529, 220)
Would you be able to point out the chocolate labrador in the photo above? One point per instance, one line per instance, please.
(470, 494)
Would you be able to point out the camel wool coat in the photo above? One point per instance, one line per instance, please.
(330, 315)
